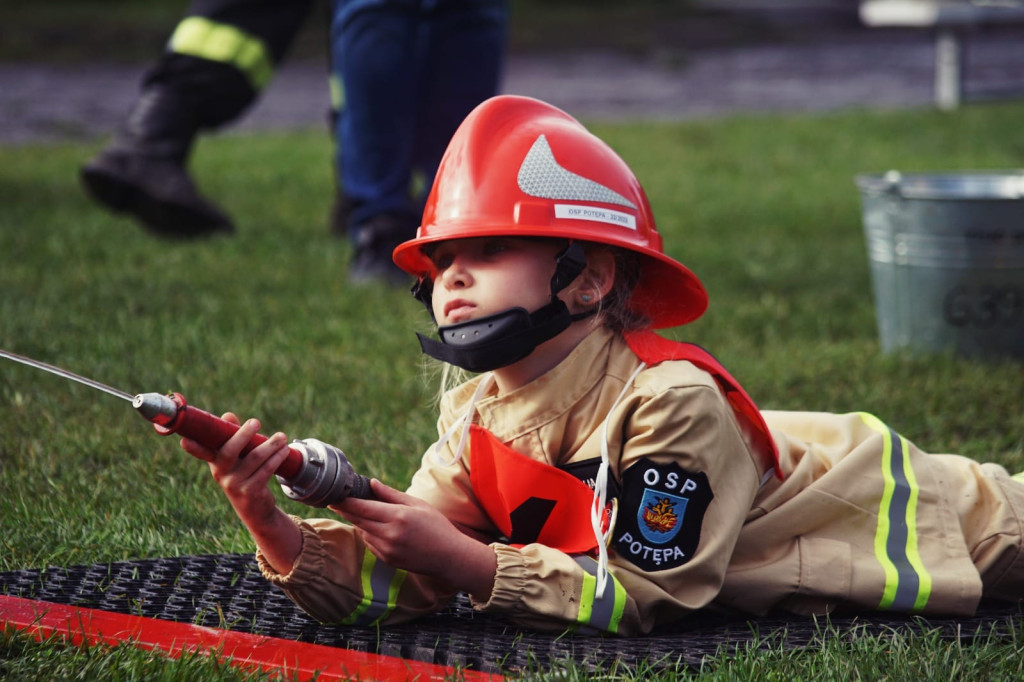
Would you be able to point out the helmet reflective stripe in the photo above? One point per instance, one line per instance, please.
(201, 37)
(541, 176)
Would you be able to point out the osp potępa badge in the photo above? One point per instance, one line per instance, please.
(661, 511)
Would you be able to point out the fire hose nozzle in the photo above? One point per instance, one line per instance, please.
(156, 407)
(325, 477)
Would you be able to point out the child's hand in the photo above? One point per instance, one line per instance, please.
(244, 480)
(405, 532)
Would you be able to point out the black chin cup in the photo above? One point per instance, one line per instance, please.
(497, 340)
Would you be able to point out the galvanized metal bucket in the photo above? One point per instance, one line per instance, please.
(947, 260)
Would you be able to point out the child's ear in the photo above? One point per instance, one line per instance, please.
(596, 280)
(601, 268)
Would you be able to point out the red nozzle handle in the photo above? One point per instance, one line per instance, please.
(211, 432)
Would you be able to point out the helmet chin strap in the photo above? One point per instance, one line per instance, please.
(503, 338)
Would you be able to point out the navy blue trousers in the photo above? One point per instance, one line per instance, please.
(409, 72)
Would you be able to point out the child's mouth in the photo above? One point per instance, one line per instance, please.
(458, 311)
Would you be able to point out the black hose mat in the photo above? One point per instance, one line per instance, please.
(227, 591)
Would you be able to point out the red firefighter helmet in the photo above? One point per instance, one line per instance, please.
(520, 167)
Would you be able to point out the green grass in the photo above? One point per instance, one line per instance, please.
(23, 659)
(764, 209)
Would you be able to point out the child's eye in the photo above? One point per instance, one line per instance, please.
(495, 246)
(441, 257)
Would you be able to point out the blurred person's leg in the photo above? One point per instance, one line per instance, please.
(391, 128)
(218, 60)
(373, 51)
(461, 67)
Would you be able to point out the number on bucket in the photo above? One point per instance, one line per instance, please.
(984, 306)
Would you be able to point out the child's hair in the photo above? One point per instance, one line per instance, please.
(614, 309)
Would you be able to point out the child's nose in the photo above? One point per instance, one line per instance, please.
(456, 275)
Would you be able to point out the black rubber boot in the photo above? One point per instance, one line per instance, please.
(143, 171)
(341, 213)
(374, 242)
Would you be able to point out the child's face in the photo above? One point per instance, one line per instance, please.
(486, 275)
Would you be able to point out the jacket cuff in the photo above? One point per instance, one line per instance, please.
(308, 565)
(509, 581)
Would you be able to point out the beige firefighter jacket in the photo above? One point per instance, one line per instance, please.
(862, 519)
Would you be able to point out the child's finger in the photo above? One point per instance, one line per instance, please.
(375, 509)
(385, 493)
(279, 454)
(376, 512)
(262, 473)
(196, 450)
(259, 456)
(234, 445)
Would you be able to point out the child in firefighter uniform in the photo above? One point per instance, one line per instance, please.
(594, 475)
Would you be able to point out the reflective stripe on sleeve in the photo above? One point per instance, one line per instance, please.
(380, 591)
(908, 584)
(200, 37)
(600, 613)
(336, 88)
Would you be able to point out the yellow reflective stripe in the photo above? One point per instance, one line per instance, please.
(586, 599)
(377, 579)
(602, 614)
(200, 37)
(908, 583)
(337, 91)
(620, 605)
(924, 591)
(393, 587)
(418, 184)
(882, 528)
(366, 574)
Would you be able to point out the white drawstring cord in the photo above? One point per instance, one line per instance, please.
(601, 492)
(465, 421)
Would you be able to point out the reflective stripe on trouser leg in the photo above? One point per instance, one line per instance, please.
(200, 37)
(908, 584)
(600, 613)
(380, 591)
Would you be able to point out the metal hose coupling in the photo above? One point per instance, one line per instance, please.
(325, 477)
